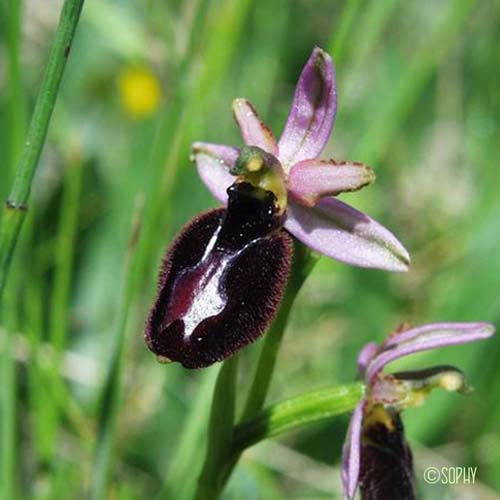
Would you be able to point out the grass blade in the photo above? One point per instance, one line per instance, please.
(16, 206)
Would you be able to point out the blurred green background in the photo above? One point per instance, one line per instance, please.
(418, 100)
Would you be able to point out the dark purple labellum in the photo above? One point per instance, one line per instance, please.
(386, 461)
(221, 281)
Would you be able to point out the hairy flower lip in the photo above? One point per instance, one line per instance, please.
(221, 281)
(321, 222)
(403, 389)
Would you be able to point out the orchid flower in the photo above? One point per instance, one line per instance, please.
(376, 455)
(322, 222)
(222, 280)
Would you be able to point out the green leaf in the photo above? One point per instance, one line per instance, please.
(297, 412)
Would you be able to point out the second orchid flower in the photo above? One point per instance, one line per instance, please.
(376, 456)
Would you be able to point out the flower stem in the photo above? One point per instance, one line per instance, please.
(181, 482)
(16, 205)
(221, 429)
(218, 466)
(303, 262)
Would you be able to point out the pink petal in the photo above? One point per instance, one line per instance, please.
(351, 453)
(311, 117)
(253, 130)
(425, 338)
(365, 356)
(213, 162)
(337, 230)
(310, 180)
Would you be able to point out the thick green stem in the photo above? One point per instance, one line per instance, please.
(216, 471)
(303, 263)
(220, 436)
(16, 205)
(187, 456)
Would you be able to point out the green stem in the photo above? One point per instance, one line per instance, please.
(216, 471)
(12, 10)
(221, 429)
(10, 388)
(16, 205)
(303, 262)
(8, 420)
(186, 457)
(296, 412)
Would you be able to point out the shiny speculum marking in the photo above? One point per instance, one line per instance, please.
(221, 281)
